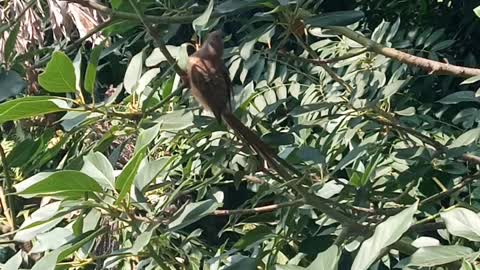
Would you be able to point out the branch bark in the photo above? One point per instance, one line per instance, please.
(432, 67)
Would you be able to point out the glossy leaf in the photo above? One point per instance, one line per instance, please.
(59, 76)
(133, 73)
(191, 213)
(97, 166)
(91, 73)
(14, 262)
(39, 221)
(386, 233)
(437, 255)
(200, 22)
(462, 96)
(326, 260)
(463, 223)
(27, 107)
(61, 183)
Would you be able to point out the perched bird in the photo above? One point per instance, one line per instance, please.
(211, 86)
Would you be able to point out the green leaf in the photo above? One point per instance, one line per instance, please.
(127, 176)
(156, 57)
(338, 18)
(247, 49)
(386, 233)
(200, 22)
(466, 138)
(372, 165)
(74, 119)
(133, 73)
(79, 241)
(288, 267)
(436, 255)
(309, 108)
(327, 260)
(442, 45)
(49, 261)
(471, 80)
(11, 84)
(53, 239)
(146, 78)
(146, 137)
(149, 170)
(142, 241)
(258, 234)
(392, 88)
(59, 76)
(62, 183)
(477, 11)
(38, 222)
(352, 155)
(192, 213)
(457, 97)
(232, 5)
(463, 223)
(14, 262)
(9, 47)
(176, 120)
(77, 67)
(244, 263)
(27, 107)
(267, 36)
(97, 166)
(91, 73)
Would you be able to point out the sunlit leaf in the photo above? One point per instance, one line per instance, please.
(59, 75)
(386, 233)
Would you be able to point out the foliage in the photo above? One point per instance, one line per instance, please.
(113, 165)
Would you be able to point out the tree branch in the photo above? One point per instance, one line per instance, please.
(432, 67)
(450, 191)
(257, 210)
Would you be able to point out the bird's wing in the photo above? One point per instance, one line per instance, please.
(226, 75)
(211, 87)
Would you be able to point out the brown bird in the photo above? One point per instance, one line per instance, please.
(212, 88)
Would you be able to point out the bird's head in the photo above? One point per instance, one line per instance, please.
(214, 43)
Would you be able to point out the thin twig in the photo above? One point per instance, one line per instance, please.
(432, 67)
(166, 99)
(325, 66)
(320, 62)
(257, 210)
(450, 191)
(9, 189)
(6, 209)
(425, 139)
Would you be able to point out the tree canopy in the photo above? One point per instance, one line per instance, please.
(108, 162)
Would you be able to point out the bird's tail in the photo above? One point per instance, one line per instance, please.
(253, 140)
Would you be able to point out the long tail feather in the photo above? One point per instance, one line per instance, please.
(254, 141)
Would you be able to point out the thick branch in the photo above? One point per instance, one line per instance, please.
(432, 67)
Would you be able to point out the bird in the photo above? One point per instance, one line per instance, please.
(211, 86)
